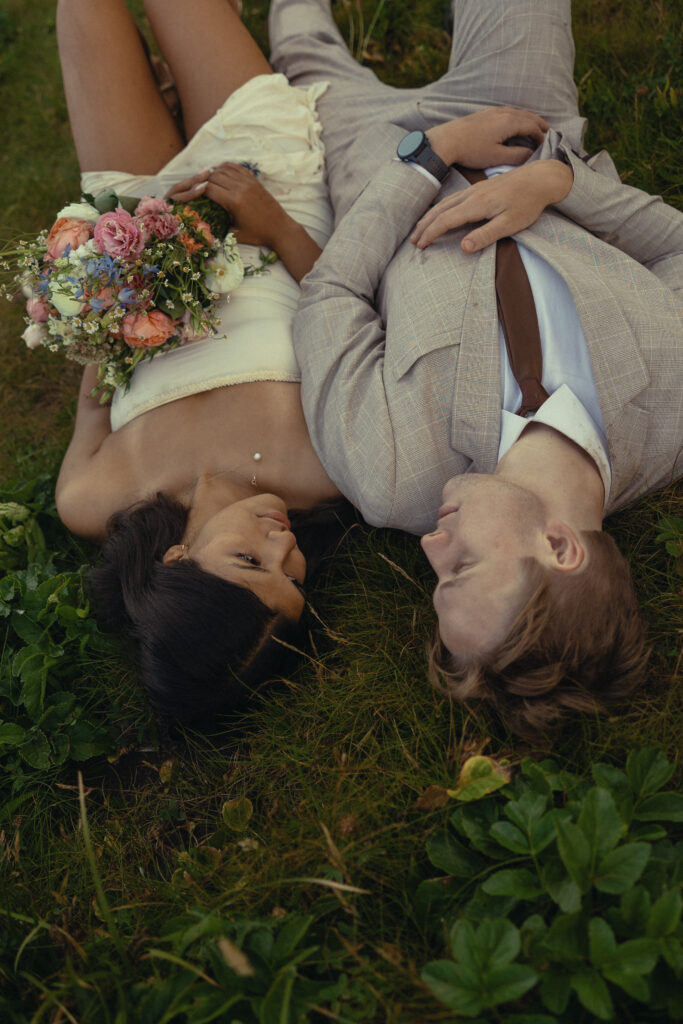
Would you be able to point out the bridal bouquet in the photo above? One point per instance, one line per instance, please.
(118, 279)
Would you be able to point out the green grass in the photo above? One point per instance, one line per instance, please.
(335, 759)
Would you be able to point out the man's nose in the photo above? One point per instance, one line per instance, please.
(435, 545)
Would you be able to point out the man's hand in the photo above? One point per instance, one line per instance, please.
(508, 203)
(478, 139)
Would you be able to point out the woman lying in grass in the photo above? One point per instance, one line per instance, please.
(187, 481)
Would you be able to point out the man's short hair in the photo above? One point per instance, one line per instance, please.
(579, 644)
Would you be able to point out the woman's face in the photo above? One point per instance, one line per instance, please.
(250, 543)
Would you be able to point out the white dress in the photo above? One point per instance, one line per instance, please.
(273, 125)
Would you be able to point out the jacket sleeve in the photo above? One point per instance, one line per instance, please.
(340, 339)
(641, 225)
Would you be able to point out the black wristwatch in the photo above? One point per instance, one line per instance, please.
(414, 148)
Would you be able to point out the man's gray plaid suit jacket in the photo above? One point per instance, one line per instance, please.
(399, 349)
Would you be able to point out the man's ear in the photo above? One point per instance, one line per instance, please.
(566, 553)
(174, 554)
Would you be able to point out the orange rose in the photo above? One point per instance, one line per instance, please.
(199, 225)
(67, 231)
(147, 330)
(190, 243)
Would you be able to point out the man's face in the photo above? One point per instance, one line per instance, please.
(485, 530)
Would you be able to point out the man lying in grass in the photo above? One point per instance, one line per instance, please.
(407, 379)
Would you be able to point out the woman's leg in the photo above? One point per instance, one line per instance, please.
(118, 118)
(209, 50)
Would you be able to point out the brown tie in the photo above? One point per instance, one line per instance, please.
(517, 314)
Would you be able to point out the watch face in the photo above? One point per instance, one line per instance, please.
(411, 144)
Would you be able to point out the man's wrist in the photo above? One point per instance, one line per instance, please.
(441, 141)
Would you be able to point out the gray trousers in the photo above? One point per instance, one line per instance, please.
(514, 52)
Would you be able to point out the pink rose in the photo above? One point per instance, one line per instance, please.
(159, 225)
(152, 205)
(67, 231)
(118, 234)
(37, 310)
(147, 330)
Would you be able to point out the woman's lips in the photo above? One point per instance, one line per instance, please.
(279, 517)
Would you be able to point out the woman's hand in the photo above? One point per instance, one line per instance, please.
(508, 203)
(257, 216)
(478, 139)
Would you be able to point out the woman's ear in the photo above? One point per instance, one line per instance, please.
(566, 553)
(174, 554)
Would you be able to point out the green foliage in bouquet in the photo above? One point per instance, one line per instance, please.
(47, 641)
(562, 897)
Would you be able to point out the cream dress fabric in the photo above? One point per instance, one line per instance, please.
(272, 125)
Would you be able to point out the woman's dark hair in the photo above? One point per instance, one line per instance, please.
(204, 644)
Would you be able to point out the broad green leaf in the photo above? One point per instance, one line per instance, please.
(275, 1007)
(444, 979)
(560, 888)
(637, 956)
(600, 821)
(463, 945)
(601, 942)
(11, 735)
(634, 984)
(25, 628)
(662, 807)
(479, 776)
(505, 984)
(542, 833)
(593, 993)
(665, 915)
(497, 942)
(635, 909)
(526, 811)
(672, 951)
(237, 813)
(36, 750)
(555, 989)
(519, 883)
(510, 837)
(646, 831)
(618, 870)
(574, 850)
(648, 770)
(567, 938)
(473, 821)
(445, 852)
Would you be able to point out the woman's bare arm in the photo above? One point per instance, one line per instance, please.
(84, 487)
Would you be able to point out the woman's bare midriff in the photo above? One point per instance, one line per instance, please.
(219, 431)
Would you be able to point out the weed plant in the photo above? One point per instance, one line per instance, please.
(280, 869)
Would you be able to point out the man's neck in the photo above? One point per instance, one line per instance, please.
(559, 472)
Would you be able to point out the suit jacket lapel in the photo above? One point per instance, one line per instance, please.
(475, 428)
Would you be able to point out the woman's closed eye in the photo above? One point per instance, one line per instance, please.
(299, 586)
(247, 558)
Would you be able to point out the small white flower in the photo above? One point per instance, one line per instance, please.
(83, 252)
(225, 271)
(34, 335)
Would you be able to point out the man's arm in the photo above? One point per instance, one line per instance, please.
(339, 339)
(640, 224)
